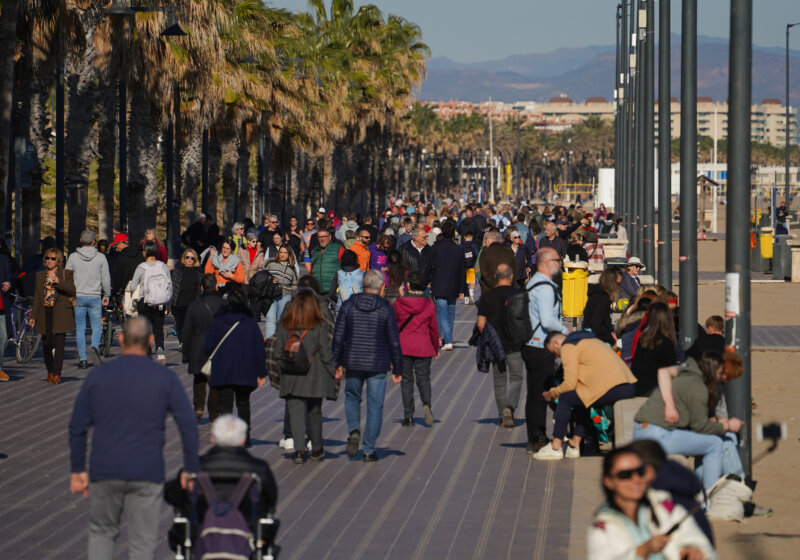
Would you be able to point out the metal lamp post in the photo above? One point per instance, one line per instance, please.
(787, 139)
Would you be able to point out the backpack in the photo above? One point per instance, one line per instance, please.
(517, 324)
(157, 284)
(349, 283)
(224, 533)
(576, 336)
(295, 360)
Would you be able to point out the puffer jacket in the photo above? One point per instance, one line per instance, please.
(489, 348)
(365, 337)
(420, 337)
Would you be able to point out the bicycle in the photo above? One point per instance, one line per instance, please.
(23, 335)
(114, 310)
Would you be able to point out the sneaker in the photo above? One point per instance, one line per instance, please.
(572, 452)
(426, 409)
(447, 347)
(508, 417)
(198, 414)
(755, 510)
(162, 359)
(407, 422)
(308, 445)
(353, 442)
(537, 444)
(547, 453)
(370, 458)
(4, 376)
(317, 455)
(180, 347)
(466, 300)
(286, 443)
(94, 355)
(83, 364)
(299, 457)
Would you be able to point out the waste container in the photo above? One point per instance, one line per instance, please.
(782, 258)
(575, 289)
(766, 241)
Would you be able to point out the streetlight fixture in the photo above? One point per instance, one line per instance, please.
(787, 140)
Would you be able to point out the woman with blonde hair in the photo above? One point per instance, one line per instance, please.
(151, 234)
(284, 272)
(186, 277)
(52, 315)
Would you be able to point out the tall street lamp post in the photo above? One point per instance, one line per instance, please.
(664, 149)
(788, 140)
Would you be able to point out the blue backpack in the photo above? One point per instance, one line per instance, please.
(349, 283)
(224, 533)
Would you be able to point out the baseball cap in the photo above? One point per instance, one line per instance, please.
(321, 210)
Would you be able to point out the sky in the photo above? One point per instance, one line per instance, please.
(477, 30)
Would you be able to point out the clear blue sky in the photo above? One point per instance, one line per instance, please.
(473, 30)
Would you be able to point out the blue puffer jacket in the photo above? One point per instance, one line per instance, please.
(241, 359)
(365, 337)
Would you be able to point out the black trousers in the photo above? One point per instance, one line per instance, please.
(154, 314)
(53, 345)
(239, 393)
(180, 316)
(200, 386)
(540, 366)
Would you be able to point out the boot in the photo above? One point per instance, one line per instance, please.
(49, 376)
(56, 379)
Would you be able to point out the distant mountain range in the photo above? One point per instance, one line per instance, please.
(586, 72)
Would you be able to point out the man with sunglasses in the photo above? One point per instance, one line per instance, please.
(271, 226)
(630, 284)
(544, 309)
(361, 248)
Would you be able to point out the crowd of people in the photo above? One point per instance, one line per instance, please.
(348, 301)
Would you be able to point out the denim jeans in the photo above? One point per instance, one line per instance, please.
(571, 406)
(446, 317)
(686, 442)
(376, 390)
(274, 314)
(731, 462)
(3, 337)
(94, 307)
(141, 502)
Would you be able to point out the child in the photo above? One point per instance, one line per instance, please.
(470, 257)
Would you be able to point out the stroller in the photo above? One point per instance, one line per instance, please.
(187, 524)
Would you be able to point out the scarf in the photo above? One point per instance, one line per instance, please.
(223, 265)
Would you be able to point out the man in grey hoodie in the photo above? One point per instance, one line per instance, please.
(93, 285)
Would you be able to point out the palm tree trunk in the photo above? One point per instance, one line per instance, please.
(191, 162)
(328, 178)
(8, 41)
(106, 153)
(214, 160)
(230, 158)
(37, 126)
(143, 156)
(243, 180)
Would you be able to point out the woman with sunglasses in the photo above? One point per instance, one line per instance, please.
(283, 271)
(52, 314)
(251, 256)
(640, 523)
(186, 278)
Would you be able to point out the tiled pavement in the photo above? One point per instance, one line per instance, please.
(461, 489)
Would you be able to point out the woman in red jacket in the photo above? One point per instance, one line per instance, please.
(419, 340)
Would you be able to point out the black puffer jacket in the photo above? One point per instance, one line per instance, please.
(597, 314)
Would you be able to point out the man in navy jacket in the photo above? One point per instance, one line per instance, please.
(366, 342)
(448, 281)
(126, 403)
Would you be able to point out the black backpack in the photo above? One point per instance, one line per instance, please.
(295, 360)
(517, 325)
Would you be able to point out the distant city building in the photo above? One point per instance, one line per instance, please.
(768, 119)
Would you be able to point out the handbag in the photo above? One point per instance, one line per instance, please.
(206, 369)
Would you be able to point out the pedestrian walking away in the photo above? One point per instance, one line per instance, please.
(492, 309)
(92, 289)
(416, 322)
(199, 316)
(235, 346)
(52, 314)
(367, 345)
(448, 281)
(155, 281)
(125, 403)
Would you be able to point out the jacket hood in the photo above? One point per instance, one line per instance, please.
(230, 313)
(628, 320)
(412, 304)
(367, 302)
(350, 226)
(349, 268)
(87, 253)
(130, 252)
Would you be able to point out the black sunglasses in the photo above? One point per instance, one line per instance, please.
(627, 474)
(50, 259)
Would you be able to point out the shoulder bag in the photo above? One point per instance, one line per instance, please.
(206, 369)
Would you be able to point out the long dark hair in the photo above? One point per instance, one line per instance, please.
(709, 362)
(608, 465)
(397, 270)
(660, 325)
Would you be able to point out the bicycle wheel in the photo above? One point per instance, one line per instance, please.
(27, 344)
(105, 337)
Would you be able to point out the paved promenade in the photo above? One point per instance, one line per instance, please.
(461, 489)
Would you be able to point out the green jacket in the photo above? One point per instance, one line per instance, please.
(691, 399)
(325, 264)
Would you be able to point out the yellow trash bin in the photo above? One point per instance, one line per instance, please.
(575, 290)
(766, 240)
